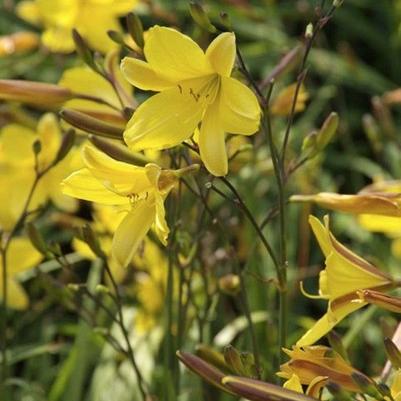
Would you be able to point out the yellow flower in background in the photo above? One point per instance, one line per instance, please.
(84, 81)
(17, 163)
(195, 88)
(281, 105)
(142, 190)
(21, 256)
(344, 275)
(92, 19)
(315, 366)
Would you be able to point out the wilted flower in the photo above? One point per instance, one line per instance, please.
(195, 88)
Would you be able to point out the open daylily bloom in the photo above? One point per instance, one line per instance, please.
(142, 190)
(17, 162)
(315, 366)
(21, 256)
(345, 274)
(92, 18)
(195, 89)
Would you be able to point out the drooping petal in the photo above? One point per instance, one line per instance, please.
(83, 185)
(141, 75)
(132, 231)
(122, 177)
(160, 225)
(221, 53)
(239, 108)
(212, 146)
(327, 322)
(174, 56)
(163, 121)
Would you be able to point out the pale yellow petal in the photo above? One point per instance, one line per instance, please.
(384, 224)
(212, 145)
(321, 235)
(160, 225)
(294, 384)
(327, 322)
(21, 255)
(174, 56)
(221, 53)
(141, 75)
(83, 185)
(123, 178)
(163, 121)
(131, 231)
(239, 108)
(16, 295)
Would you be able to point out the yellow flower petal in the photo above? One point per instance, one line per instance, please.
(212, 145)
(327, 322)
(174, 56)
(239, 108)
(321, 235)
(221, 53)
(21, 255)
(83, 185)
(131, 231)
(294, 384)
(141, 75)
(384, 224)
(123, 178)
(160, 226)
(16, 295)
(163, 121)
(58, 39)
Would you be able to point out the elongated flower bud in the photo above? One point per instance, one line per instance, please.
(34, 92)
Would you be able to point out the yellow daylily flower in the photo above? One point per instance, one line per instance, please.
(282, 103)
(195, 88)
(344, 275)
(17, 162)
(142, 190)
(92, 18)
(21, 256)
(314, 366)
(396, 386)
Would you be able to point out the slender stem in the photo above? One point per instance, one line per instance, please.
(251, 218)
(131, 356)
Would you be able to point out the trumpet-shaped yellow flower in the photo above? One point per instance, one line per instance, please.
(21, 256)
(17, 163)
(92, 18)
(345, 274)
(142, 190)
(195, 88)
(314, 366)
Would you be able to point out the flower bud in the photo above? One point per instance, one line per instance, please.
(19, 42)
(337, 345)
(257, 390)
(230, 284)
(90, 238)
(367, 385)
(200, 17)
(384, 301)
(36, 239)
(85, 52)
(90, 124)
(393, 353)
(135, 29)
(66, 144)
(309, 31)
(116, 37)
(233, 360)
(35, 93)
(206, 371)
